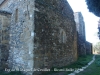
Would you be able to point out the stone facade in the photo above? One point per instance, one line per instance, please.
(1, 1)
(42, 34)
(55, 34)
(80, 25)
(81, 46)
(5, 19)
(88, 48)
(81, 33)
(84, 47)
(21, 52)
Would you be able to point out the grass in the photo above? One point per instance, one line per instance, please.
(82, 61)
(93, 69)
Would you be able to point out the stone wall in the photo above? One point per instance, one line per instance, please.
(84, 47)
(55, 34)
(81, 46)
(88, 48)
(1, 1)
(42, 34)
(21, 50)
(22, 35)
(80, 25)
(5, 19)
(80, 33)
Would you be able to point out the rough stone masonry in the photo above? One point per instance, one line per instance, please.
(84, 47)
(42, 34)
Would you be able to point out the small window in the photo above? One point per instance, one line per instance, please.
(63, 37)
(16, 15)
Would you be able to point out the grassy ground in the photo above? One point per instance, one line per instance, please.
(82, 61)
(93, 69)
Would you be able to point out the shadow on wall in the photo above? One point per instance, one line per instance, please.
(4, 38)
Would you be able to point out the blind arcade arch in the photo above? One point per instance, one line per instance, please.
(63, 37)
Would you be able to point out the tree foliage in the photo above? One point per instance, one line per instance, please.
(97, 47)
(94, 6)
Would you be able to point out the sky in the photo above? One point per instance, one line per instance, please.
(91, 21)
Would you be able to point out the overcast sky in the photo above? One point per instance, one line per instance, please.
(91, 21)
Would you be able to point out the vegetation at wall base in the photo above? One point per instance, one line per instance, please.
(82, 61)
(93, 69)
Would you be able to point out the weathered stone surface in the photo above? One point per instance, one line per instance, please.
(42, 34)
(80, 25)
(88, 48)
(56, 36)
(1, 1)
(81, 46)
(4, 39)
(84, 47)
(21, 33)
(80, 33)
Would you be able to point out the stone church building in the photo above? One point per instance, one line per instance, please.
(84, 47)
(37, 34)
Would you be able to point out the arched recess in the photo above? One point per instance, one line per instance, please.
(62, 36)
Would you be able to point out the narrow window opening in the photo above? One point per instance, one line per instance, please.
(62, 36)
(28, 13)
(16, 15)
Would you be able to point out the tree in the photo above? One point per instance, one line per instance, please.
(94, 6)
(97, 47)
